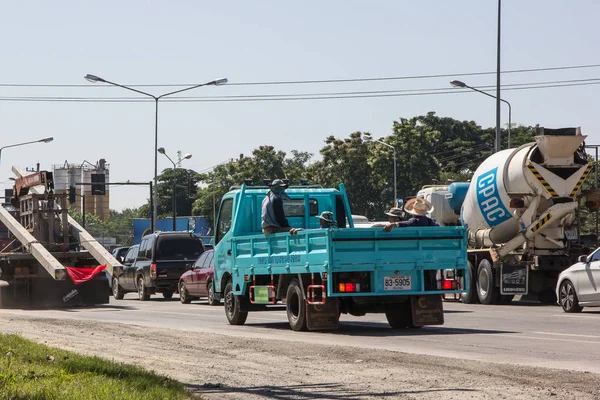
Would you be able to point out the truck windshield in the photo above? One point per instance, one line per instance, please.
(178, 248)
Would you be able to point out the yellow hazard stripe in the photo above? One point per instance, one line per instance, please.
(542, 180)
(541, 222)
(580, 181)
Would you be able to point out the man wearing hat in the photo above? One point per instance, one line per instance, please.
(395, 214)
(419, 209)
(326, 221)
(273, 216)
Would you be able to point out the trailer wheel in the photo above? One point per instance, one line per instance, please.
(568, 298)
(487, 291)
(232, 307)
(296, 306)
(211, 295)
(471, 296)
(117, 290)
(399, 316)
(184, 296)
(143, 294)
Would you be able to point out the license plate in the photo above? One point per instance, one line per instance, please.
(571, 234)
(397, 283)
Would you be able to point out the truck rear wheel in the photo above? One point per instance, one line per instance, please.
(296, 306)
(471, 296)
(232, 307)
(487, 291)
(143, 294)
(399, 316)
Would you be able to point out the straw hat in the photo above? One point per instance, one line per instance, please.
(395, 212)
(418, 206)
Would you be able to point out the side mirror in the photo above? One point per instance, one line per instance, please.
(582, 259)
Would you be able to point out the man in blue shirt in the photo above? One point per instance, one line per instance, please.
(419, 209)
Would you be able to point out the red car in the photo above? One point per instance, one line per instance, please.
(197, 282)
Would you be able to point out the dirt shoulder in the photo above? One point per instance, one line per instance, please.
(224, 367)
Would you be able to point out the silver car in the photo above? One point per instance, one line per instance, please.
(579, 285)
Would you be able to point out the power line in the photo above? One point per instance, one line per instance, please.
(321, 81)
(316, 96)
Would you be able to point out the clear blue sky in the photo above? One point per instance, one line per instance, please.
(189, 42)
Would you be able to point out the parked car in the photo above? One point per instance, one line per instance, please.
(578, 286)
(160, 261)
(197, 282)
(119, 253)
(120, 272)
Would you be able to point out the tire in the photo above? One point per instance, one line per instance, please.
(232, 307)
(487, 291)
(143, 294)
(506, 299)
(471, 296)
(399, 316)
(295, 304)
(117, 290)
(184, 295)
(211, 296)
(168, 295)
(567, 297)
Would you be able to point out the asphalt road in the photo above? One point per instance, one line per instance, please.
(520, 333)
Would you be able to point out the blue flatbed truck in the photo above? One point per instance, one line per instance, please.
(320, 273)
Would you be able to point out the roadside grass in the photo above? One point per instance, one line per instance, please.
(33, 371)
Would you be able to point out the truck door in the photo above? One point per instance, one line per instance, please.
(222, 251)
(588, 280)
(124, 279)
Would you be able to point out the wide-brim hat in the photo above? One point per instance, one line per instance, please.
(327, 216)
(278, 183)
(418, 206)
(395, 212)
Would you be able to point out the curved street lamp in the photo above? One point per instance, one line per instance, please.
(96, 79)
(464, 85)
(162, 151)
(45, 140)
(368, 138)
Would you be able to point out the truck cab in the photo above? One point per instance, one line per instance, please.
(320, 273)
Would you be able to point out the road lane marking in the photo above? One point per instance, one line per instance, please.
(549, 339)
(567, 334)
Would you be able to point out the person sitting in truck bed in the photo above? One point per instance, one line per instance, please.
(395, 214)
(418, 208)
(326, 221)
(273, 216)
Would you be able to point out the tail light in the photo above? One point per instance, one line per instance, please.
(153, 271)
(448, 285)
(348, 287)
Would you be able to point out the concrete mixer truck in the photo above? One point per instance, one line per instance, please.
(519, 210)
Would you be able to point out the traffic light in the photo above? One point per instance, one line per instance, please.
(71, 194)
(98, 184)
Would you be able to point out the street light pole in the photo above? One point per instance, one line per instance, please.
(162, 151)
(464, 85)
(498, 99)
(367, 137)
(45, 140)
(95, 79)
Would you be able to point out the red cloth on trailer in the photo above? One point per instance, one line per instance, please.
(80, 275)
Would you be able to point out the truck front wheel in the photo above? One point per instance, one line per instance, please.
(296, 306)
(487, 291)
(471, 296)
(232, 307)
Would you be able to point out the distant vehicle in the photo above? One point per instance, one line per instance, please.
(161, 259)
(578, 285)
(360, 221)
(197, 282)
(119, 253)
(127, 262)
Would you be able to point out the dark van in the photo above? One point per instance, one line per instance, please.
(161, 260)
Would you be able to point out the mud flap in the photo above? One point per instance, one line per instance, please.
(320, 317)
(427, 310)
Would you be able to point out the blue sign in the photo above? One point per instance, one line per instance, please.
(200, 226)
(488, 198)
